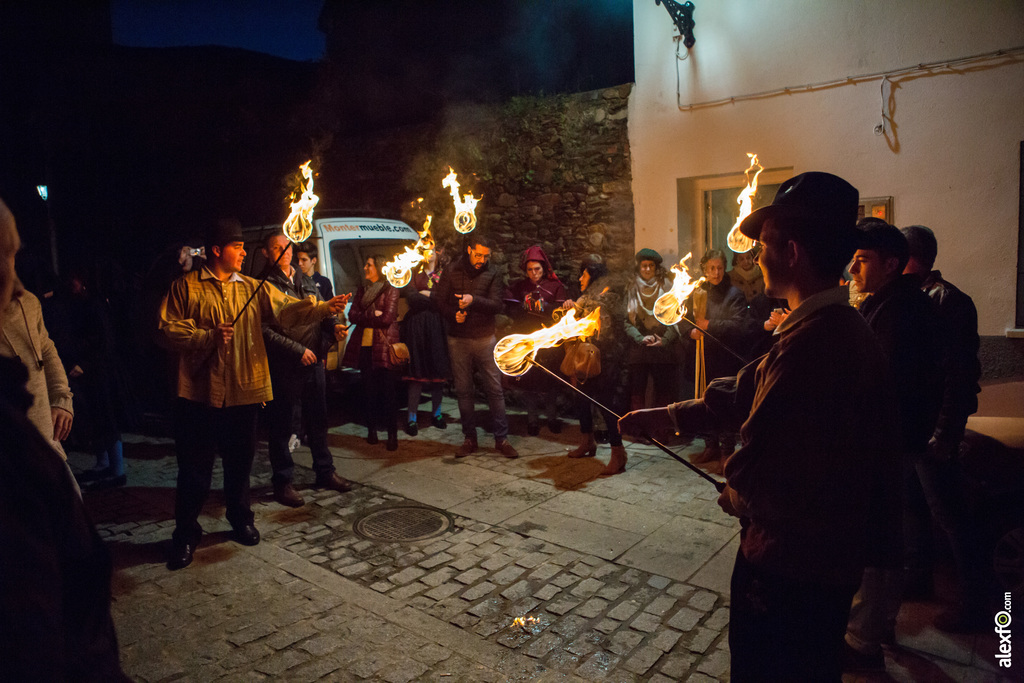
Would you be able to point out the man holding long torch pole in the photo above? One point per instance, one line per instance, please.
(817, 474)
(223, 377)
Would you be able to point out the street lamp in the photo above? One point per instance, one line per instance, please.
(44, 194)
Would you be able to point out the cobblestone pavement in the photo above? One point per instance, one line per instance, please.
(621, 579)
(315, 601)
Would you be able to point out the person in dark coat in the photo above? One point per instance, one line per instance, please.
(297, 373)
(653, 348)
(469, 297)
(596, 291)
(422, 330)
(940, 490)
(903, 321)
(816, 479)
(721, 309)
(306, 259)
(55, 622)
(374, 312)
(531, 302)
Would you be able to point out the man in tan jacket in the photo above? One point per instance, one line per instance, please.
(223, 377)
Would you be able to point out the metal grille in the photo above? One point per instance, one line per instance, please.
(403, 523)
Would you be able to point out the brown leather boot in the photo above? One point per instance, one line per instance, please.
(468, 446)
(617, 463)
(586, 449)
(285, 494)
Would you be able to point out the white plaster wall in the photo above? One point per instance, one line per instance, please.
(956, 167)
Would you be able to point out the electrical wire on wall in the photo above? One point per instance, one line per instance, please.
(1013, 53)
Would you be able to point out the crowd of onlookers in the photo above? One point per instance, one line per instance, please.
(240, 344)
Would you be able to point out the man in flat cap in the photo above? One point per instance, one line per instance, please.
(817, 469)
(223, 377)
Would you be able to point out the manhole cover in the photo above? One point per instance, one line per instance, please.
(403, 523)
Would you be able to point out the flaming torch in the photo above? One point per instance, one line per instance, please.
(736, 240)
(299, 224)
(670, 307)
(398, 270)
(516, 353)
(465, 207)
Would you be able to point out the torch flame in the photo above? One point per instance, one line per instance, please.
(299, 224)
(398, 271)
(736, 240)
(514, 352)
(523, 622)
(465, 207)
(670, 307)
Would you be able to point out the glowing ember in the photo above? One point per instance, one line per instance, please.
(398, 271)
(670, 307)
(514, 352)
(736, 240)
(465, 207)
(299, 224)
(524, 622)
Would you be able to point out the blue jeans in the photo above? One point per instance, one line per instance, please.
(477, 355)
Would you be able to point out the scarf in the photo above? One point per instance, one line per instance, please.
(641, 300)
(371, 293)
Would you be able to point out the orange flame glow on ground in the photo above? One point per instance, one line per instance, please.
(670, 307)
(299, 224)
(514, 352)
(736, 240)
(398, 270)
(465, 207)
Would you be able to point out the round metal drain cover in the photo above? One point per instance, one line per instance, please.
(402, 523)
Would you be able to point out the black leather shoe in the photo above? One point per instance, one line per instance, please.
(555, 426)
(532, 428)
(439, 422)
(411, 429)
(181, 555)
(246, 535)
(371, 438)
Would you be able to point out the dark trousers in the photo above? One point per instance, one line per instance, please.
(781, 629)
(666, 384)
(199, 433)
(308, 388)
(602, 389)
(380, 389)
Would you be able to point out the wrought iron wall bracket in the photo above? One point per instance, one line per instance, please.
(682, 17)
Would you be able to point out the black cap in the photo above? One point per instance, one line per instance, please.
(823, 201)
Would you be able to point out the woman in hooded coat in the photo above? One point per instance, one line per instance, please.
(530, 303)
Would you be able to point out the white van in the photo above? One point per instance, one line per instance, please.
(343, 243)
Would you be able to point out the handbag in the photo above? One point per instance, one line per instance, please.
(398, 353)
(582, 361)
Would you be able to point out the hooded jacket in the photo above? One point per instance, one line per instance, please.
(26, 339)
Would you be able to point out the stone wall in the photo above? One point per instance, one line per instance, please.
(553, 171)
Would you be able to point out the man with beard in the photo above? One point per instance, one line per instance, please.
(815, 475)
(469, 296)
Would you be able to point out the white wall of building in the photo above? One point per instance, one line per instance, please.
(954, 164)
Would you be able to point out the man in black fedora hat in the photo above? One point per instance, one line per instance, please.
(817, 470)
(223, 377)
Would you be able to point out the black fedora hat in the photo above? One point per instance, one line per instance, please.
(821, 201)
(223, 231)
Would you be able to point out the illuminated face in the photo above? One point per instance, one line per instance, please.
(479, 255)
(870, 272)
(745, 261)
(275, 246)
(714, 271)
(534, 271)
(584, 280)
(773, 265)
(232, 255)
(648, 269)
(370, 270)
(306, 264)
